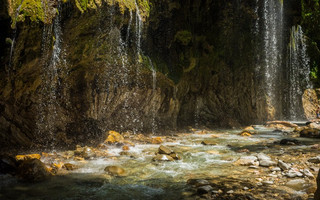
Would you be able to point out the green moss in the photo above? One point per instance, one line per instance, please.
(34, 9)
(183, 37)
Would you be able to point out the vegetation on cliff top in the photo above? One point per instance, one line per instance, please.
(44, 11)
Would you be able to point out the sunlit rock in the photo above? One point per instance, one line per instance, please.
(114, 137)
(125, 148)
(164, 150)
(28, 156)
(246, 133)
(156, 140)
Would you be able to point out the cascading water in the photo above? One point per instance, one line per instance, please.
(298, 73)
(154, 86)
(269, 27)
(48, 95)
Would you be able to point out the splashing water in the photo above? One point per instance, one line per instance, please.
(299, 70)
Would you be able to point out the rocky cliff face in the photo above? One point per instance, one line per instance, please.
(190, 63)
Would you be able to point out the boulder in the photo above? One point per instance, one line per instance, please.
(162, 157)
(247, 161)
(33, 170)
(28, 156)
(267, 163)
(114, 137)
(115, 170)
(249, 128)
(310, 133)
(164, 150)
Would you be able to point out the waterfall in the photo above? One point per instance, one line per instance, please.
(298, 72)
(269, 28)
(46, 123)
(154, 85)
(139, 26)
(273, 30)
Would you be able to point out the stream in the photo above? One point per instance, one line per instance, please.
(148, 179)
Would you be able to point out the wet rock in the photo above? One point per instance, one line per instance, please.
(114, 137)
(175, 156)
(275, 169)
(115, 171)
(317, 193)
(249, 128)
(292, 173)
(315, 160)
(289, 142)
(204, 189)
(262, 156)
(307, 173)
(156, 140)
(267, 182)
(284, 166)
(8, 165)
(125, 148)
(208, 142)
(69, 166)
(267, 163)
(284, 123)
(296, 184)
(247, 161)
(33, 170)
(314, 125)
(88, 153)
(162, 157)
(198, 182)
(246, 133)
(164, 150)
(28, 156)
(310, 133)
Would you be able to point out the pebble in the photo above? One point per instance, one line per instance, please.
(293, 173)
(230, 192)
(267, 182)
(267, 163)
(246, 188)
(275, 169)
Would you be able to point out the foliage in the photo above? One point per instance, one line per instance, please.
(44, 10)
(310, 22)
